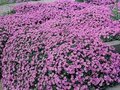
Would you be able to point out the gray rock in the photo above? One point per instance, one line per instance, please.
(0, 86)
(116, 44)
(114, 88)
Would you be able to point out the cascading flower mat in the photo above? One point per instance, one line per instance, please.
(58, 46)
(60, 60)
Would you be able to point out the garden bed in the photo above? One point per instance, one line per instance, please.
(58, 46)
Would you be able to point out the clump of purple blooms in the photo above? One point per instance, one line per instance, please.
(101, 2)
(59, 46)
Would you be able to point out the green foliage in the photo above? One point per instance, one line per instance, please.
(110, 38)
(54, 87)
(2, 2)
(116, 11)
(105, 87)
(80, 0)
(116, 14)
(11, 12)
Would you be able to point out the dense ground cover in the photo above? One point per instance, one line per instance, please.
(60, 46)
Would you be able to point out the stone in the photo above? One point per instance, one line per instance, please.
(116, 44)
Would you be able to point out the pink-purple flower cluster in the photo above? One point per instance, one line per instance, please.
(58, 46)
(101, 2)
(47, 59)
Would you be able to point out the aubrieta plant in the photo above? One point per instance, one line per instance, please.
(101, 2)
(47, 59)
(59, 46)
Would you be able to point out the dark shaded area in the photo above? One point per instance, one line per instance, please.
(80, 0)
(0, 70)
(4, 35)
(117, 48)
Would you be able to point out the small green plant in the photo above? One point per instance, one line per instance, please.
(116, 11)
(116, 14)
(11, 12)
(110, 38)
(2, 2)
(80, 0)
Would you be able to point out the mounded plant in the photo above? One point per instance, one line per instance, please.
(58, 46)
(56, 60)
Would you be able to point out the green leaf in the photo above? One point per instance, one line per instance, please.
(11, 12)
(54, 87)
(80, 0)
(116, 14)
(69, 62)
